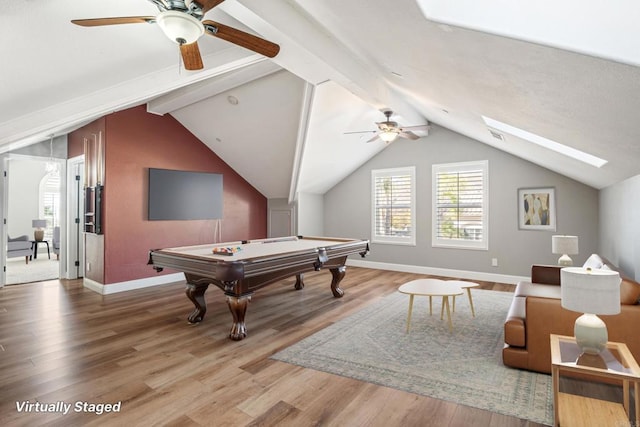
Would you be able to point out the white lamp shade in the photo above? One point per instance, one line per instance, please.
(39, 223)
(388, 135)
(590, 291)
(564, 245)
(180, 27)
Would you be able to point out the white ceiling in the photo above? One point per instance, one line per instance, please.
(566, 71)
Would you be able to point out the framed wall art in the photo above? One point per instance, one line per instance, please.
(537, 209)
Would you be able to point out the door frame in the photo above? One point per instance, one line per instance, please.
(4, 161)
(74, 249)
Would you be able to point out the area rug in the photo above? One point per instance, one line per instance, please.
(37, 270)
(463, 366)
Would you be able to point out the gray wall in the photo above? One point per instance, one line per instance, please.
(56, 148)
(310, 214)
(620, 225)
(25, 176)
(347, 208)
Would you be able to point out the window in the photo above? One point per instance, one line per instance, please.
(393, 194)
(460, 205)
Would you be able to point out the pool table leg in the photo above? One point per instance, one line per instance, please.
(195, 292)
(299, 282)
(338, 274)
(238, 308)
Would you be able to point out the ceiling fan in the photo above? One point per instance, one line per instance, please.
(388, 130)
(181, 21)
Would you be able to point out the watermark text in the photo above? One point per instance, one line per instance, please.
(64, 408)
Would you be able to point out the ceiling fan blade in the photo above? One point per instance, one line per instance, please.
(373, 139)
(96, 22)
(417, 127)
(359, 131)
(246, 40)
(409, 135)
(191, 56)
(207, 5)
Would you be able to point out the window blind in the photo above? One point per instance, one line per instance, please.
(393, 211)
(460, 205)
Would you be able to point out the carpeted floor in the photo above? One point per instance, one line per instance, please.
(37, 270)
(463, 366)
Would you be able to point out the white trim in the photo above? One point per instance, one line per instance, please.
(130, 285)
(405, 268)
(434, 271)
(301, 139)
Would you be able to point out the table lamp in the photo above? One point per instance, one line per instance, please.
(590, 292)
(39, 225)
(565, 246)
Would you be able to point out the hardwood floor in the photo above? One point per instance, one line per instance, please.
(60, 342)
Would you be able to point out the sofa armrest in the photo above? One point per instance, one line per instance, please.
(514, 325)
(18, 245)
(547, 274)
(545, 316)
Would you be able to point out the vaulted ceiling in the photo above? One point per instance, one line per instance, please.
(568, 73)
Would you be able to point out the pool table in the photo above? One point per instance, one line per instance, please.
(250, 265)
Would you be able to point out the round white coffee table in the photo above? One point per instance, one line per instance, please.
(466, 286)
(431, 288)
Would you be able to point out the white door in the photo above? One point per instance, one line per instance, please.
(280, 223)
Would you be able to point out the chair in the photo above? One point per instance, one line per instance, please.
(56, 241)
(19, 246)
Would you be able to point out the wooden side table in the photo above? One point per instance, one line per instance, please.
(619, 365)
(34, 248)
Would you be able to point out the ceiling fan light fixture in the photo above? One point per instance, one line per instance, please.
(388, 135)
(180, 27)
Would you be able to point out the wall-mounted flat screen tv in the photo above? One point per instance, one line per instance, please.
(183, 195)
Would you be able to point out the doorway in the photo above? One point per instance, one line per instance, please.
(33, 218)
(35, 192)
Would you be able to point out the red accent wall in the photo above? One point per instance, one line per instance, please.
(75, 144)
(135, 141)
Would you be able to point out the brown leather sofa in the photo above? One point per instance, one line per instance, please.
(536, 312)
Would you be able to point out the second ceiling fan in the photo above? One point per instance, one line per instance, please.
(181, 21)
(389, 130)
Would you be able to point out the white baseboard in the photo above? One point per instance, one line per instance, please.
(461, 274)
(130, 285)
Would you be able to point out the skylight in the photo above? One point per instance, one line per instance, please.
(594, 28)
(546, 143)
